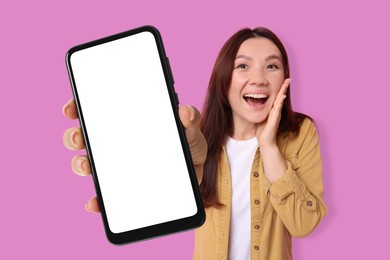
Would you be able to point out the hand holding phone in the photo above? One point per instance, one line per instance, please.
(149, 187)
(189, 116)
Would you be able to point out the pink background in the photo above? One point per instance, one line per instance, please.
(339, 60)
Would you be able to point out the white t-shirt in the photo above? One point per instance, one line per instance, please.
(240, 156)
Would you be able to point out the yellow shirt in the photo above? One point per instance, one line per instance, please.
(291, 206)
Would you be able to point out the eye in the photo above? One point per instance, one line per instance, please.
(242, 66)
(272, 67)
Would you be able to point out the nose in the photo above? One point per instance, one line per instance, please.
(258, 78)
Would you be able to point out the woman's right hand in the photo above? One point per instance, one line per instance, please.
(190, 118)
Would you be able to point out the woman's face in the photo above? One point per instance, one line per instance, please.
(257, 77)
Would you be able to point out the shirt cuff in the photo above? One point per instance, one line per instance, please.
(290, 184)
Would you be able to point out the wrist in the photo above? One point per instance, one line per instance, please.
(273, 162)
(272, 147)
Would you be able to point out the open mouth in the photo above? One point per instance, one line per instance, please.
(255, 99)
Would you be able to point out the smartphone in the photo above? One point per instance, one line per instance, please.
(140, 160)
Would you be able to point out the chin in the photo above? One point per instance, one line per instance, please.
(258, 119)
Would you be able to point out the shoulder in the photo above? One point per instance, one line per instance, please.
(308, 127)
(307, 130)
(294, 143)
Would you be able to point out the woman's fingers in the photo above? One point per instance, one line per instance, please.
(189, 116)
(198, 145)
(267, 132)
(80, 165)
(92, 205)
(73, 139)
(285, 85)
(278, 104)
(69, 109)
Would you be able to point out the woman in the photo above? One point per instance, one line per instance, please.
(261, 181)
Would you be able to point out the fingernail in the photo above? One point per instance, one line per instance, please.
(75, 138)
(81, 164)
(65, 109)
(86, 207)
(192, 113)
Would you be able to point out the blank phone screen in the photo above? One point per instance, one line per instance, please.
(133, 137)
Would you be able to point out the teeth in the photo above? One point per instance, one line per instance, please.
(256, 95)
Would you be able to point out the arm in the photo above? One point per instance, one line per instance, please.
(297, 196)
(293, 184)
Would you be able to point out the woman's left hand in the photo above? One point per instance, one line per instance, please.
(266, 133)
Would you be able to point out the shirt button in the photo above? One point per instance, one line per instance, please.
(257, 248)
(257, 227)
(257, 202)
(309, 203)
(256, 174)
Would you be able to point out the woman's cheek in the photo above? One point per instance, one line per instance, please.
(240, 77)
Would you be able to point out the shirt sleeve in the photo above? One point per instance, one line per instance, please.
(297, 196)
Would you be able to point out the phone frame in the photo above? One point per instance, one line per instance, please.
(162, 229)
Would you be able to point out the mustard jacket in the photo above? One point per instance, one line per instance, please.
(291, 206)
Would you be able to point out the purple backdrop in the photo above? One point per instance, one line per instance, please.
(339, 56)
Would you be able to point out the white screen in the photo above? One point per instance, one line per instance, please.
(132, 132)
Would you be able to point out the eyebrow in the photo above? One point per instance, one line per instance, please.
(270, 57)
(243, 57)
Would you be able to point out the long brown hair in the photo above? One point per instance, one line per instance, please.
(217, 121)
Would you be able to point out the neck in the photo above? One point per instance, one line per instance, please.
(243, 131)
